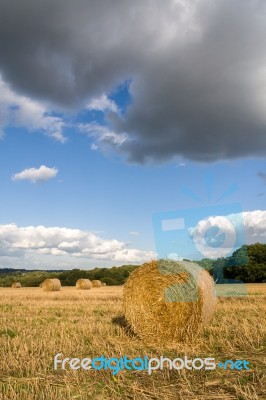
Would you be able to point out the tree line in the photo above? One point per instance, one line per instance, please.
(246, 264)
(110, 276)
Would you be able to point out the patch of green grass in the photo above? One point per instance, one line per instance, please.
(99, 312)
(8, 332)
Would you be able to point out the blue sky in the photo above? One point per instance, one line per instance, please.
(119, 151)
(109, 197)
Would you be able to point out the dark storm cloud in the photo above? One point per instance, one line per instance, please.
(66, 51)
(198, 69)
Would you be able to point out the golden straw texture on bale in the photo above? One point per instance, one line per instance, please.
(16, 285)
(168, 301)
(51, 285)
(96, 283)
(84, 284)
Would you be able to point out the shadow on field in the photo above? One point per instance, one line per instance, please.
(122, 322)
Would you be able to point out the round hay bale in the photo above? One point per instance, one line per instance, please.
(16, 285)
(51, 285)
(96, 283)
(103, 284)
(83, 284)
(167, 301)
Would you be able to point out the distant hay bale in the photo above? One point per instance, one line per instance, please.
(168, 301)
(103, 284)
(96, 283)
(83, 284)
(51, 285)
(16, 285)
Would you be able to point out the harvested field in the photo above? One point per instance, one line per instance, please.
(36, 325)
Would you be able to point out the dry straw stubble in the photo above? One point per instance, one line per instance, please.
(51, 285)
(83, 284)
(167, 301)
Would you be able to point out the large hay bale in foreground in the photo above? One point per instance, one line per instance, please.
(96, 283)
(168, 301)
(83, 284)
(51, 285)
(16, 285)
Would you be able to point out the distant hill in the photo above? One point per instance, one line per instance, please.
(6, 271)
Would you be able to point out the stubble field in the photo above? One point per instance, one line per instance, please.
(34, 326)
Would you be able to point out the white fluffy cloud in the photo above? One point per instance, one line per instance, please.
(27, 241)
(255, 226)
(36, 174)
(251, 225)
(103, 104)
(21, 111)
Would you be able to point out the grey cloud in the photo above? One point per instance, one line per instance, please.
(65, 51)
(262, 176)
(197, 69)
